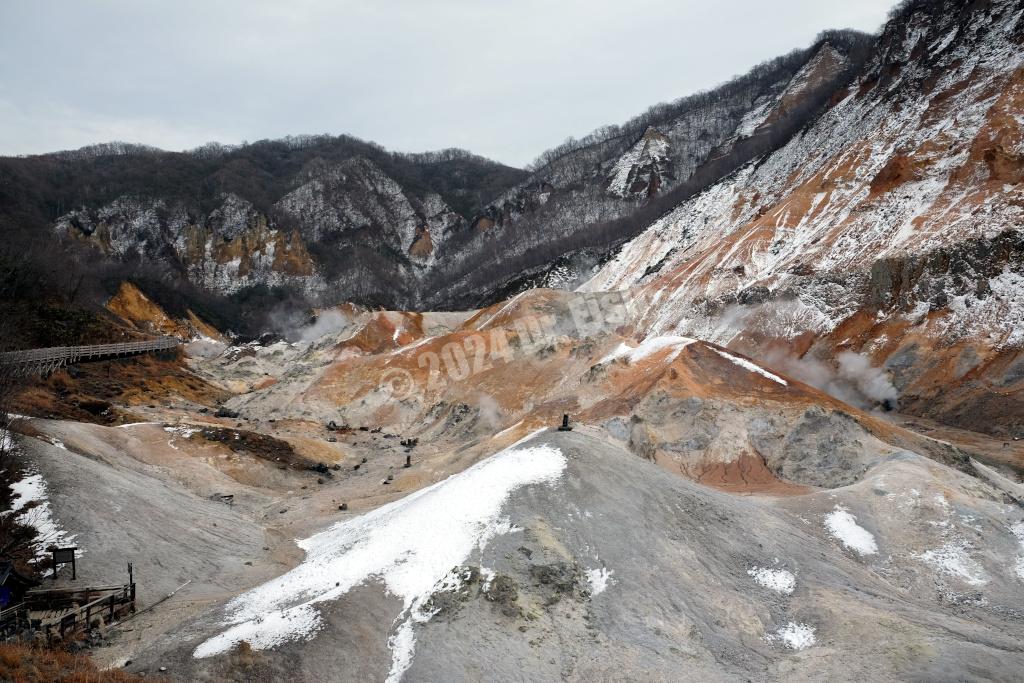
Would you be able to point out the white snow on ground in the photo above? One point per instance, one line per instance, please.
(598, 579)
(410, 545)
(1018, 531)
(753, 367)
(794, 636)
(778, 580)
(647, 347)
(32, 491)
(29, 490)
(843, 527)
(952, 559)
(183, 431)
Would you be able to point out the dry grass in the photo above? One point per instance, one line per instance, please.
(30, 664)
(92, 392)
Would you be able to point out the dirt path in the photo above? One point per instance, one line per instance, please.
(988, 449)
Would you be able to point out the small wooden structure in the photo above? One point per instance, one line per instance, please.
(67, 613)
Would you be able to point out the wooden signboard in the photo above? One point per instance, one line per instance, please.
(64, 556)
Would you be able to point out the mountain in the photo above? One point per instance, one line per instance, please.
(586, 196)
(310, 215)
(337, 219)
(688, 466)
(889, 227)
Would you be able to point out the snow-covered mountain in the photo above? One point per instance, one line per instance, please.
(890, 226)
(587, 196)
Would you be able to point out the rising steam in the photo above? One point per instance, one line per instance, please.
(851, 379)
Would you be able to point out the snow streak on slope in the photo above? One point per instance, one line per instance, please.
(410, 545)
(752, 367)
(647, 347)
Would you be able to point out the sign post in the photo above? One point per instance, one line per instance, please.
(64, 556)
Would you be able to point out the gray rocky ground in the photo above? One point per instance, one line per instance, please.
(679, 600)
(710, 522)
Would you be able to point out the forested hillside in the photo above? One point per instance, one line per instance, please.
(235, 232)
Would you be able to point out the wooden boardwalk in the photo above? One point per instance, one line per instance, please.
(45, 361)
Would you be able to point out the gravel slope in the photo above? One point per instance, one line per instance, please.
(623, 570)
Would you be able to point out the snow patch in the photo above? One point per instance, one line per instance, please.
(648, 347)
(1018, 531)
(953, 559)
(410, 545)
(778, 580)
(184, 431)
(794, 636)
(844, 528)
(598, 580)
(752, 367)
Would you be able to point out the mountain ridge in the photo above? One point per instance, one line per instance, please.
(306, 233)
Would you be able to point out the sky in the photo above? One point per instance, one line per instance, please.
(504, 79)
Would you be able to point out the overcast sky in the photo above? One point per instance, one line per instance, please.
(503, 79)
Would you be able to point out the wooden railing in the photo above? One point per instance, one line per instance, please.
(68, 613)
(45, 361)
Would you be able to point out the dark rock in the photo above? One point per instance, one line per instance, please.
(558, 577)
(504, 591)
(757, 294)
